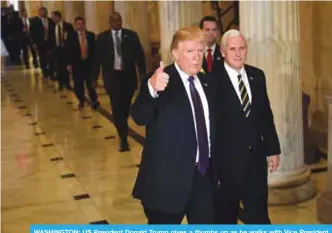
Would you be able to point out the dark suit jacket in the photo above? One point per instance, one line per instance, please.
(242, 143)
(74, 49)
(67, 32)
(132, 54)
(167, 168)
(37, 32)
(218, 60)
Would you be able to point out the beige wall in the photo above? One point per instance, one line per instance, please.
(316, 57)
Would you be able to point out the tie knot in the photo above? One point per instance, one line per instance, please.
(209, 50)
(239, 76)
(191, 79)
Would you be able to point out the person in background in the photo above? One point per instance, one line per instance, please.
(62, 31)
(118, 52)
(212, 55)
(27, 44)
(81, 51)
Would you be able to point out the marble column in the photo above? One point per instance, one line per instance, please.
(324, 202)
(53, 6)
(32, 7)
(97, 15)
(272, 32)
(72, 9)
(175, 15)
(139, 10)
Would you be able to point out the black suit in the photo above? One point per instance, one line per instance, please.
(44, 43)
(216, 62)
(168, 183)
(12, 35)
(241, 148)
(59, 50)
(82, 68)
(27, 43)
(119, 84)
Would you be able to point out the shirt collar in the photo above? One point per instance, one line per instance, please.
(184, 76)
(113, 32)
(232, 72)
(213, 48)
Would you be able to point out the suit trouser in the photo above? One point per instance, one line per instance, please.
(120, 94)
(253, 192)
(81, 76)
(61, 69)
(46, 60)
(199, 207)
(26, 46)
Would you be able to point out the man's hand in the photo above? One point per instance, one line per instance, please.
(159, 79)
(273, 162)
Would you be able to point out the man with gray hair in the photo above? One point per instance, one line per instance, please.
(245, 136)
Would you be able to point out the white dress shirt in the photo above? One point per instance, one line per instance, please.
(213, 48)
(235, 81)
(57, 36)
(26, 23)
(117, 57)
(200, 90)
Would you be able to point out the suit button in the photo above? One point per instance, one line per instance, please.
(250, 148)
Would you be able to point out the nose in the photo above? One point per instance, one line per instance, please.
(237, 52)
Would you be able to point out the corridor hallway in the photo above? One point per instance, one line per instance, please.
(61, 165)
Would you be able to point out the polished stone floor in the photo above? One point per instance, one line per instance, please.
(61, 165)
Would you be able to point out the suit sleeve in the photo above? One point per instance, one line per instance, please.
(145, 105)
(140, 56)
(92, 45)
(97, 58)
(269, 132)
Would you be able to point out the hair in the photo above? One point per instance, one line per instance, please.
(207, 19)
(230, 33)
(23, 10)
(43, 8)
(189, 33)
(79, 18)
(57, 13)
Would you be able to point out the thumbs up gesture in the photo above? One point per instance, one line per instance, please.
(159, 79)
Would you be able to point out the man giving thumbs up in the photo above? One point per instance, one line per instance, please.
(174, 179)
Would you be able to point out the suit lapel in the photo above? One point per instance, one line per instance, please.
(110, 42)
(251, 84)
(230, 88)
(180, 93)
(204, 82)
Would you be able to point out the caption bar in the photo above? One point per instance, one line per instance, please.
(181, 229)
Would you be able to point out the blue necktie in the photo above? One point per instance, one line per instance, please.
(202, 136)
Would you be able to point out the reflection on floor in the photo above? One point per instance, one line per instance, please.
(61, 165)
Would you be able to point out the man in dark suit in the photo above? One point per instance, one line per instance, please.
(81, 50)
(245, 136)
(27, 41)
(12, 34)
(212, 56)
(118, 52)
(174, 178)
(62, 31)
(42, 33)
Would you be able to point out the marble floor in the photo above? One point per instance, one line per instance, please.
(61, 165)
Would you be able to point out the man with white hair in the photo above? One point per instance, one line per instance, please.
(245, 136)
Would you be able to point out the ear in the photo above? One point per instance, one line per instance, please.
(175, 54)
(222, 52)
